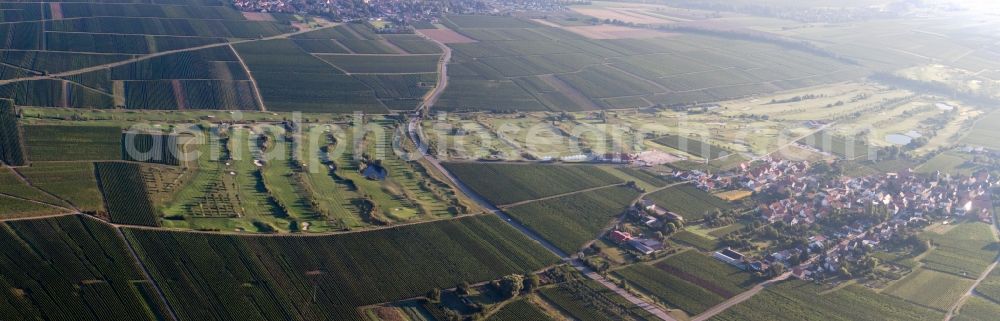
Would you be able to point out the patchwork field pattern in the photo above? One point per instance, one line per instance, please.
(11, 149)
(799, 300)
(500, 65)
(965, 250)
(73, 182)
(570, 221)
(440, 254)
(688, 201)
(510, 183)
(82, 48)
(201, 55)
(85, 273)
(930, 288)
(125, 194)
(72, 143)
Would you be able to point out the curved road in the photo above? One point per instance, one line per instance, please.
(416, 135)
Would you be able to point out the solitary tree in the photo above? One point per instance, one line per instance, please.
(532, 282)
(434, 295)
(511, 285)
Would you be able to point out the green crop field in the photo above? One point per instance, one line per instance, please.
(72, 143)
(799, 300)
(709, 273)
(304, 202)
(73, 182)
(693, 146)
(700, 242)
(413, 44)
(11, 185)
(837, 145)
(930, 288)
(11, 149)
(150, 148)
(673, 70)
(978, 309)
(384, 64)
(950, 162)
(670, 289)
(125, 194)
(206, 275)
(644, 176)
(570, 221)
(985, 133)
(510, 183)
(965, 250)
(688, 201)
(11, 207)
(291, 79)
(72, 268)
(520, 310)
(586, 300)
(990, 287)
(76, 36)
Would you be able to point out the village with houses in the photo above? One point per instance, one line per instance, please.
(401, 13)
(835, 221)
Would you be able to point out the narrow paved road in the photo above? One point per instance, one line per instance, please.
(253, 81)
(739, 298)
(154, 55)
(442, 80)
(746, 295)
(652, 309)
(415, 132)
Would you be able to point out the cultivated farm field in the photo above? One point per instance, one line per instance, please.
(72, 143)
(510, 183)
(473, 249)
(11, 149)
(978, 309)
(519, 310)
(800, 300)
(990, 287)
(670, 289)
(965, 250)
(930, 288)
(688, 201)
(86, 274)
(985, 133)
(570, 221)
(73, 182)
(690, 68)
(708, 273)
(125, 193)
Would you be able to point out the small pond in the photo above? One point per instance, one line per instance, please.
(375, 172)
(898, 139)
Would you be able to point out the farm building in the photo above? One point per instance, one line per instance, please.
(620, 237)
(729, 256)
(646, 246)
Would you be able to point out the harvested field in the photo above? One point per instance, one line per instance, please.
(56, 9)
(617, 14)
(573, 94)
(617, 32)
(255, 16)
(445, 36)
